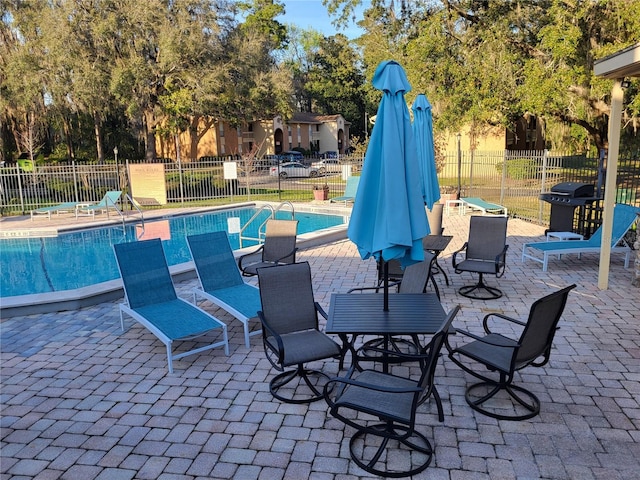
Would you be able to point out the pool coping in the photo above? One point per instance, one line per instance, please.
(112, 290)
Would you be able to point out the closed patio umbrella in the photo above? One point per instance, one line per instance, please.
(388, 220)
(423, 132)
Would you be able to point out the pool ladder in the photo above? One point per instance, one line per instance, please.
(262, 227)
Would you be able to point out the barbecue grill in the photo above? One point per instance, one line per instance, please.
(567, 197)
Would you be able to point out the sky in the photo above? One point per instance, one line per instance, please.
(312, 14)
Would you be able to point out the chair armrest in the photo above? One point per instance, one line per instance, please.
(485, 320)
(250, 254)
(501, 261)
(268, 331)
(458, 252)
(321, 311)
(291, 253)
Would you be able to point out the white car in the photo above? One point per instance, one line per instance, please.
(293, 169)
(329, 165)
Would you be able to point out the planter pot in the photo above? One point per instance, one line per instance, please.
(321, 194)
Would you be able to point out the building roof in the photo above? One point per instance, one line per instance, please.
(314, 118)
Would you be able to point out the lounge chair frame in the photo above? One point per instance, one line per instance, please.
(475, 203)
(220, 280)
(623, 218)
(159, 309)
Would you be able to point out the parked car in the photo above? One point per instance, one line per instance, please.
(329, 154)
(293, 169)
(331, 165)
(291, 156)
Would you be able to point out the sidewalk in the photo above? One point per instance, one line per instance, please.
(81, 399)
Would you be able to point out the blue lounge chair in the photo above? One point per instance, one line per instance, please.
(66, 207)
(220, 280)
(108, 202)
(475, 203)
(152, 301)
(623, 218)
(349, 191)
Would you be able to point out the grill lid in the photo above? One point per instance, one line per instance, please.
(574, 189)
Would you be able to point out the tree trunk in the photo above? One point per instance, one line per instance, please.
(150, 124)
(97, 128)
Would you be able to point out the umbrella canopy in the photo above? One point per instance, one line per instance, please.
(388, 220)
(423, 133)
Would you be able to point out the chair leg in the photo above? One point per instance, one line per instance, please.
(300, 372)
(405, 441)
(530, 403)
(491, 292)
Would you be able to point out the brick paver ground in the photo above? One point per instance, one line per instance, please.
(82, 400)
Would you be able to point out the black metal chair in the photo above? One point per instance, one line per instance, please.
(485, 252)
(393, 400)
(279, 247)
(291, 336)
(434, 217)
(504, 356)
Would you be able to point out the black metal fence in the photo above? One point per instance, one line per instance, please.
(512, 179)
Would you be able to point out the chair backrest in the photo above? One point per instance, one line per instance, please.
(110, 198)
(280, 240)
(433, 350)
(145, 274)
(286, 294)
(434, 216)
(215, 264)
(416, 276)
(623, 218)
(537, 336)
(351, 188)
(487, 237)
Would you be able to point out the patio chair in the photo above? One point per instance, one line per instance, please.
(623, 218)
(220, 280)
(151, 300)
(484, 253)
(503, 356)
(350, 190)
(108, 202)
(475, 203)
(393, 401)
(279, 247)
(66, 207)
(291, 335)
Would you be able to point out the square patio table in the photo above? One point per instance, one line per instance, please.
(362, 314)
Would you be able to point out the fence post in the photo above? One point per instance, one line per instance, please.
(75, 181)
(503, 180)
(20, 187)
(543, 181)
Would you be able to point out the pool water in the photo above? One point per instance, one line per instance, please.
(82, 258)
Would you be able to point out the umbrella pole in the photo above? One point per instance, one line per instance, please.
(385, 289)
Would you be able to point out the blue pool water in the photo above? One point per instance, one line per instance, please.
(82, 258)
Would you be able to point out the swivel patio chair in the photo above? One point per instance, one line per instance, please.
(151, 300)
(434, 217)
(503, 356)
(392, 439)
(484, 253)
(279, 247)
(220, 280)
(291, 335)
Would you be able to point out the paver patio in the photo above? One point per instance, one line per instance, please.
(80, 399)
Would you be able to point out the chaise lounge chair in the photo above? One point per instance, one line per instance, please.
(475, 203)
(66, 207)
(623, 218)
(152, 301)
(108, 202)
(349, 191)
(220, 280)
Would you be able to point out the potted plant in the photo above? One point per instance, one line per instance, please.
(321, 192)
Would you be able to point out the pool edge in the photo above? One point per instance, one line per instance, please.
(23, 305)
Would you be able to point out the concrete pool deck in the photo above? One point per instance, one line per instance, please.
(81, 399)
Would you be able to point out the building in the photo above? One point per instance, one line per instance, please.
(309, 131)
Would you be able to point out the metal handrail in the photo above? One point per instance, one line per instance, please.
(262, 227)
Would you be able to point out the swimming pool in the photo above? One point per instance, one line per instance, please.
(78, 259)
